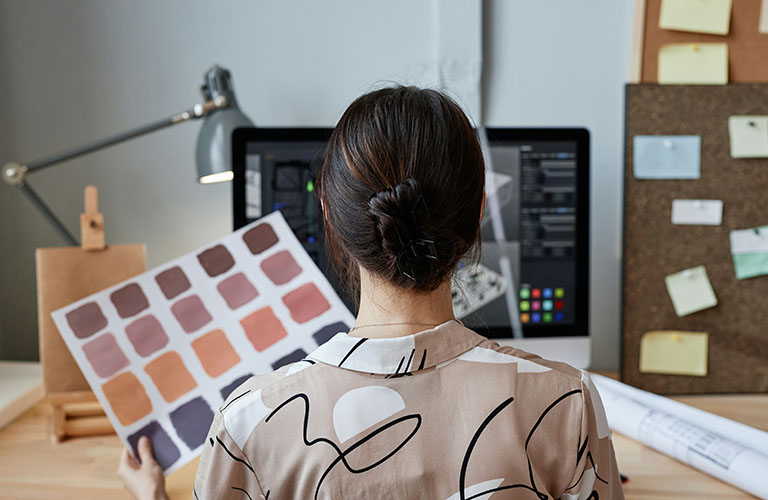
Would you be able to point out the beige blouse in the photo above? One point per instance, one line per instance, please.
(442, 414)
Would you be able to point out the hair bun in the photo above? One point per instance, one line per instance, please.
(392, 211)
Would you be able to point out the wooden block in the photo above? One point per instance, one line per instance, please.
(92, 222)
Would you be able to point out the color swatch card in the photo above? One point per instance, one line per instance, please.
(697, 212)
(749, 136)
(163, 350)
(749, 248)
(698, 16)
(690, 291)
(666, 156)
(693, 63)
(674, 353)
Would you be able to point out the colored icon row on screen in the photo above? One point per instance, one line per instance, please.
(536, 317)
(537, 293)
(536, 305)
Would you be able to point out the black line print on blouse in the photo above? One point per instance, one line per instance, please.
(532, 486)
(342, 454)
(591, 461)
(359, 343)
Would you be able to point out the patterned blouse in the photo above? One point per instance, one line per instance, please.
(442, 414)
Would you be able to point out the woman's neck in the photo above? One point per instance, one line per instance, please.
(398, 312)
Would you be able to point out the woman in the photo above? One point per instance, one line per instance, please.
(409, 403)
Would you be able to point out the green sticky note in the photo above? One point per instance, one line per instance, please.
(690, 291)
(694, 63)
(699, 16)
(749, 248)
(749, 136)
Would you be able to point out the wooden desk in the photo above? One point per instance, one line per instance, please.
(33, 467)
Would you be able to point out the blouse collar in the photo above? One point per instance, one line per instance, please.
(399, 355)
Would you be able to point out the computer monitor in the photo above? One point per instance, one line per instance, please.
(530, 288)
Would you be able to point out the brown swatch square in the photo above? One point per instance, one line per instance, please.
(105, 355)
(191, 313)
(281, 267)
(263, 328)
(129, 300)
(127, 398)
(215, 352)
(305, 303)
(170, 376)
(237, 290)
(216, 260)
(172, 282)
(86, 320)
(259, 238)
(147, 335)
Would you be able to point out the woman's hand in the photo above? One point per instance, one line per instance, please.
(144, 481)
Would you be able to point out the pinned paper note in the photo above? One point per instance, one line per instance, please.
(694, 63)
(763, 24)
(699, 16)
(697, 212)
(749, 136)
(674, 353)
(749, 248)
(690, 291)
(666, 156)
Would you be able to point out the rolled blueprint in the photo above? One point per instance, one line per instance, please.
(730, 451)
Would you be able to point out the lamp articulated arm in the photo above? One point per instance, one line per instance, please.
(15, 174)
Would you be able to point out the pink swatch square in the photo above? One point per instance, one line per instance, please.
(305, 303)
(147, 335)
(105, 355)
(281, 267)
(237, 290)
(191, 313)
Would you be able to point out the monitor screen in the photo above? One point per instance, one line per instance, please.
(531, 278)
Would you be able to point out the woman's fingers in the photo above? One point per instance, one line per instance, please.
(145, 452)
(126, 460)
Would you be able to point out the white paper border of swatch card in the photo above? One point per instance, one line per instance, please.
(749, 241)
(697, 212)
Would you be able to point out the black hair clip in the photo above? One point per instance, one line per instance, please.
(418, 247)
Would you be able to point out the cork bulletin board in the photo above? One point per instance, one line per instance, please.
(747, 47)
(655, 248)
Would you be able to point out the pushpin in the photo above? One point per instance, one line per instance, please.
(695, 47)
(752, 123)
(687, 274)
(668, 144)
(676, 337)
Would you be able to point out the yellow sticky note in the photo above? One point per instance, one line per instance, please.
(749, 136)
(694, 63)
(699, 16)
(674, 353)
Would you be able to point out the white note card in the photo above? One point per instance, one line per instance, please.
(697, 212)
(749, 241)
(749, 136)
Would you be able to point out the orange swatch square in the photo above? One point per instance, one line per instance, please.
(170, 376)
(215, 352)
(127, 397)
(263, 328)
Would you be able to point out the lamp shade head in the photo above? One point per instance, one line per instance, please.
(214, 142)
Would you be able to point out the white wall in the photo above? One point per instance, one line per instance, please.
(75, 70)
(565, 63)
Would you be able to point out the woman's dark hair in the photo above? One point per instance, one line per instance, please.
(402, 187)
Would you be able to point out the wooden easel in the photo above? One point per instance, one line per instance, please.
(78, 413)
(65, 275)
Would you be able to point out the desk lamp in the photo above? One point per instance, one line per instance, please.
(214, 142)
